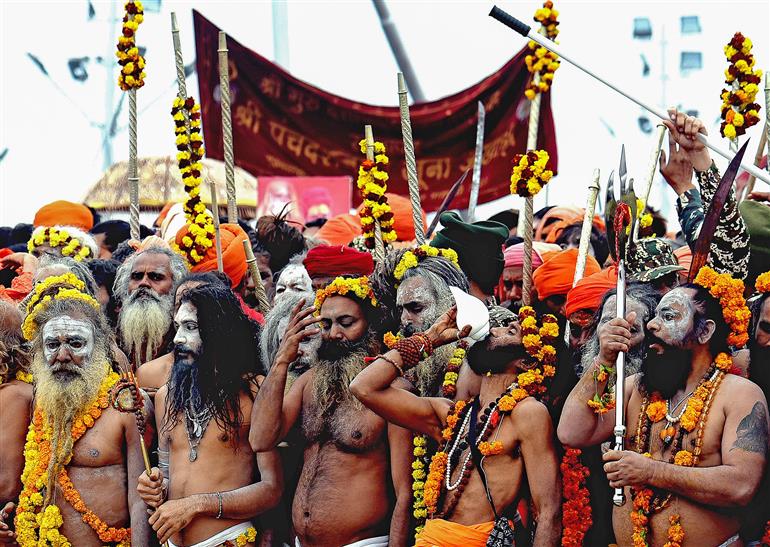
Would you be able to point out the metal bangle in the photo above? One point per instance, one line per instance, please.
(219, 498)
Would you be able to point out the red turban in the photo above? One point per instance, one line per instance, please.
(233, 255)
(589, 291)
(556, 274)
(403, 222)
(64, 213)
(340, 230)
(328, 261)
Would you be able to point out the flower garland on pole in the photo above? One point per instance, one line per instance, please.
(373, 183)
(739, 111)
(130, 79)
(189, 144)
(541, 64)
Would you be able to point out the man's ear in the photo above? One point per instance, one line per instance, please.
(706, 331)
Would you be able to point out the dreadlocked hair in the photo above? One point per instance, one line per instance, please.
(280, 238)
(229, 360)
(14, 355)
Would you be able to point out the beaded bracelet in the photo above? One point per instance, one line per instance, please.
(391, 361)
(414, 349)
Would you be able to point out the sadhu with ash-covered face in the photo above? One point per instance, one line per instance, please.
(705, 430)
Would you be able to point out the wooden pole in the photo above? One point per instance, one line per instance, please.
(653, 168)
(133, 176)
(227, 129)
(411, 163)
(259, 288)
(534, 126)
(379, 246)
(217, 232)
(179, 64)
(477, 161)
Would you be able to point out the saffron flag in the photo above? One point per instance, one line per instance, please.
(284, 126)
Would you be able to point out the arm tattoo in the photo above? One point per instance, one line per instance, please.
(752, 431)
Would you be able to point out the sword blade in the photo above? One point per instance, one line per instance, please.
(447, 202)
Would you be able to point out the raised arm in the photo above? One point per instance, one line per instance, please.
(373, 386)
(273, 415)
(542, 465)
(239, 504)
(733, 483)
(579, 425)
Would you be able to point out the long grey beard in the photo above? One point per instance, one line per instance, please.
(634, 358)
(144, 324)
(61, 402)
(331, 387)
(430, 372)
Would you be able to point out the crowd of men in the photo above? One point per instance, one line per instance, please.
(414, 400)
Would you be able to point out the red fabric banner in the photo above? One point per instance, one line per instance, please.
(283, 126)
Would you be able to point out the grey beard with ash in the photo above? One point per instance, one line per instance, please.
(62, 391)
(590, 351)
(144, 322)
(430, 372)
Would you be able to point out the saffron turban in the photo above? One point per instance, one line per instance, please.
(556, 274)
(64, 213)
(554, 215)
(514, 255)
(340, 230)
(684, 256)
(589, 291)
(403, 221)
(334, 260)
(233, 255)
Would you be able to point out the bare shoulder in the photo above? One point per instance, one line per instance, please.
(736, 391)
(160, 397)
(531, 417)
(742, 361)
(16, 392)
(154, 374)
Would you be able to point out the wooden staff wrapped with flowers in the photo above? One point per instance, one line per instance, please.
(376, 216)
(542, 64)
(739, 111)
(130, 79)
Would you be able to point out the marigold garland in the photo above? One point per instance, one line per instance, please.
(762, 284)
(538, 343)
(60, 237)
(529, 174)
(131, 62)
(420, 462)
(373, 183)
(29, 328)
(413, 257)
(576, 504)
(190, 151)
(603, 402)
(248, 536)
(541, 60)
(359, 287)
(449, 385)
(729, 292)
(37, 526)
(739, 111)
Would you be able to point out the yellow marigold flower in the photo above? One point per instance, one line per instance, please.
(684, 457)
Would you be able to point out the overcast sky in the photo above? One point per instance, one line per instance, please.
(50, 125)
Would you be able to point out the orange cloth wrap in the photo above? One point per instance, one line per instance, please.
(589, 291)
(340, 230)
(443, 533)
(403, 223)
(556, 274)
(233, 255)
(64, 213)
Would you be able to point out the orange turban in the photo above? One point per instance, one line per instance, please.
(554, 215)
(403, 221)
(556, 229)
(340, 230)
(589, 291)
(64, 213)
(556, 274)
(233, 255)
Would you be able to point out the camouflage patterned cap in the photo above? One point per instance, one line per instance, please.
(652, 258)
(500, 317)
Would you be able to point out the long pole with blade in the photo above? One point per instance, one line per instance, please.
(526, 31)
(477, 160)
(411, 163)
(447, 202)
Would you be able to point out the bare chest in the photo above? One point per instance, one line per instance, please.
(104, 443)
(350, 427)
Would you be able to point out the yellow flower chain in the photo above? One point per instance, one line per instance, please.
(190, 151)
(345, 286)
(372, 181)
(739, 111)
(36, 528)
(729, 292)
(248, 536)
(412, 258)
(762, 284)
(56, 238)
(419, 510)
(29, 328)
(131, 62)
(542, 61)
(529, 174)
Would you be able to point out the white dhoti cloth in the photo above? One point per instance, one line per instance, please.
(218, 539)
(379, 541)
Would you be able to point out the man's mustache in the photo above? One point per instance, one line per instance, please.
(65, 367)
(184, 350)
(144, 293)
